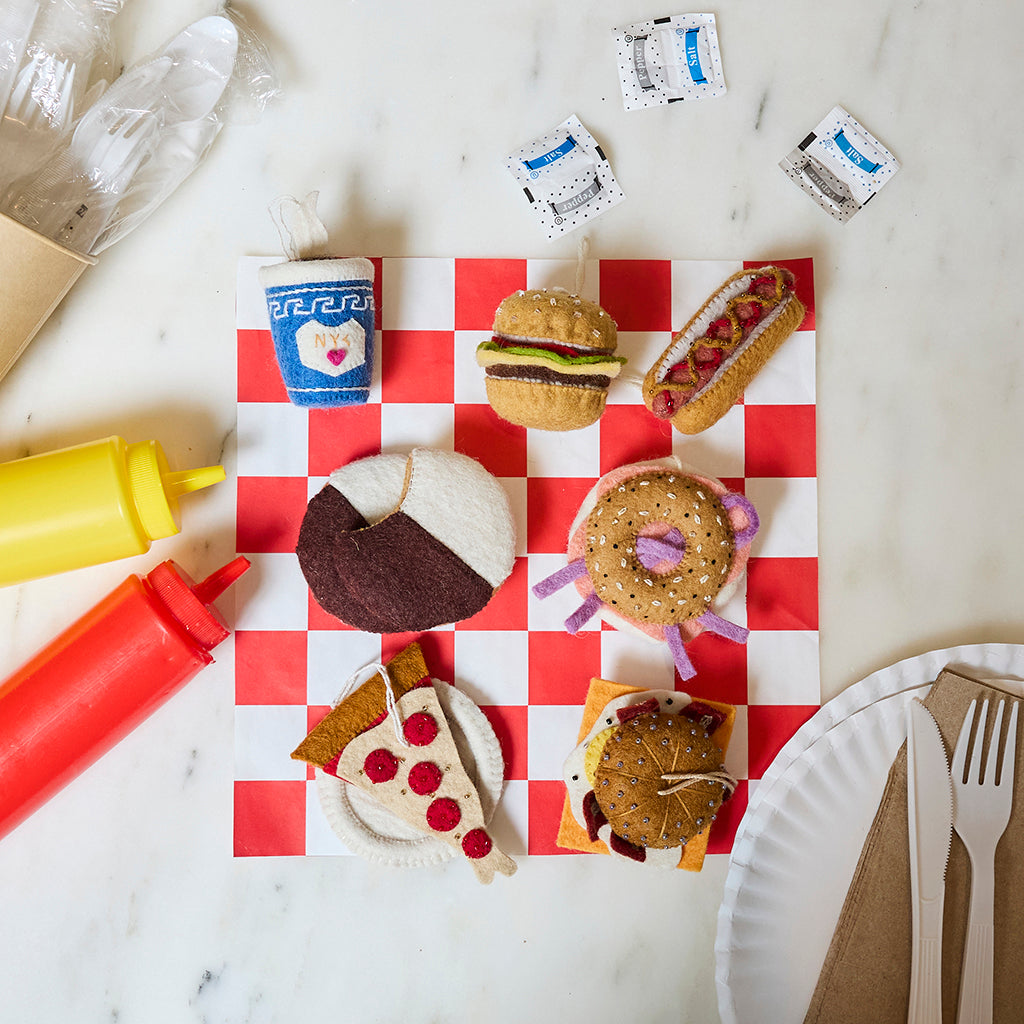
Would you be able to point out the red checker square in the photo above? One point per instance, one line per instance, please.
(341, 435)
(509, 724)
(721, 670)
(736, 484)
(727, 820)
(780, 441)
(317, 618)
(629, 433)
(315, 714)
(270, 819)
(499, 446)
(561, 666)
(637, 294)
(270, 667)
(782, 593)
(438, 650)
(270, 511)
(551, 505)
(803, 271)
(418, 366)
(547, 798)
(480, 287)
(259, 379)
(769, 728)
(508, 608)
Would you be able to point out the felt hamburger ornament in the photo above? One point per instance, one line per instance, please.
(550, 361)
(654, 549)
(648, 776)
(710, 362)
(403, 742)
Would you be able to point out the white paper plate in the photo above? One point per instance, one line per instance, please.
(799, 841)
(372, 831)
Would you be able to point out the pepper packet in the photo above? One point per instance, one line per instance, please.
(840, 165)
(664, 60)
(566, 177)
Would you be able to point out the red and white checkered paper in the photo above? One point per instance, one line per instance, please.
(514, 658)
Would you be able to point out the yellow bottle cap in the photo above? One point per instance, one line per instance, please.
(155, 489)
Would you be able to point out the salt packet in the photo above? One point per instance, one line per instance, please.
(566, 177)
(664, 60)
(840, 165)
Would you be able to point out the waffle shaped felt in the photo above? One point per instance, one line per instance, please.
(514, 658)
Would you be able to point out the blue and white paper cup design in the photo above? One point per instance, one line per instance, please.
(322, 321)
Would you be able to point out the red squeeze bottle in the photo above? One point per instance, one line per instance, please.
(100, 678)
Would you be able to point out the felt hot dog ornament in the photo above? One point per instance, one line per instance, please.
(718, 353)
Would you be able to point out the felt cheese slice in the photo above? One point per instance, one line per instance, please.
(398, 543)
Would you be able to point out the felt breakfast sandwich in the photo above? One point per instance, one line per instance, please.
(718, 353)
(551, 360)
(647, 779)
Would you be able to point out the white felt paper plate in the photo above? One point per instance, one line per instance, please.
(371, 831)
(800, 840)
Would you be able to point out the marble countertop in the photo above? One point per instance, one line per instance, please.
(121, 900)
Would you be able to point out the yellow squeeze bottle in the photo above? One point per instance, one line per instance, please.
(88, 504)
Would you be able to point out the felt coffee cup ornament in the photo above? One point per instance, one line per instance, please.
(655, 548)
(409, 769)
(550, 361)
(396, 543)
(710, 362)
(648, 776)
(321, 311)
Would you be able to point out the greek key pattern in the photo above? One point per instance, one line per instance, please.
(316, 301)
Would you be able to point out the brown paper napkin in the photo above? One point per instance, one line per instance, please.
(866, 974)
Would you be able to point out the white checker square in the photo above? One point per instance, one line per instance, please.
(515, 489)
(782, 667)
(641, 349)
(636, 661)
(250, 301)
(321, 840)
(735, 609)
(693, 282)
(314, 485)
(265, 736)
(272, 594)
(562, 274)
(788, 510)
(470, 388)
(553, 729)
(414, 425)
(568, 454)
(720, 450)
(421, 294)
(511, 822)
(374, 396)
(333, 656)
(273, 439)
(737, 758)
(492, 666)
(788, 377)
(549, 615)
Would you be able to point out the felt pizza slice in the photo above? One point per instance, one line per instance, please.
(392, 739)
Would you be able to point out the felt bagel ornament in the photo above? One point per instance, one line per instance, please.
(710, 362)
(654, 548)
(398, 543)
(550, 360)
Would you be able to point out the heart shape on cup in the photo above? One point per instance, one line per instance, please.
(337, 355)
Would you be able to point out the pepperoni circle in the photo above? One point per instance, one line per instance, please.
(420, 729)
(476, 844)
(380, 765)
(425, 778)
(443, 814)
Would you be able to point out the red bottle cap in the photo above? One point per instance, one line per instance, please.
(192, 603)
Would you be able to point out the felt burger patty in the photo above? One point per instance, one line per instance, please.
(550, 360)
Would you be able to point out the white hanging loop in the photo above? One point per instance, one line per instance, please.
(582, 248)
(362, 675)
(303, 235)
